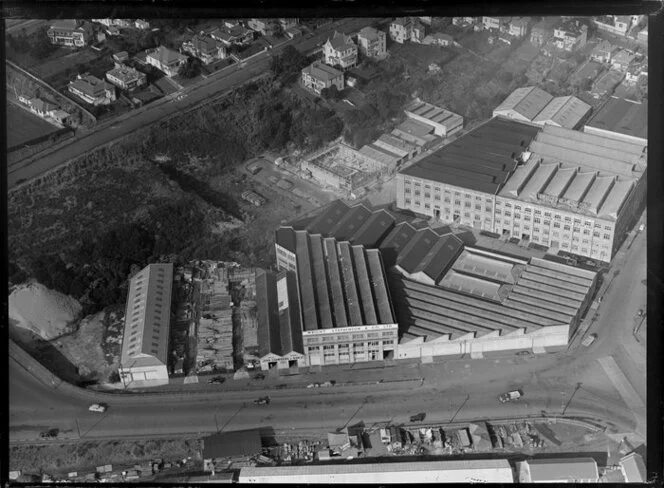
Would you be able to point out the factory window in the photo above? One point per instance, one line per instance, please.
(466, 204)
(427, 187)
(436, 188)
(436, 197)
(446, 199)
(468, 195)
(477, 197)
(498, 212)
(586, 232)
(328, 348)
(417, 203)
(595, 234)
(387, 342)
(478, 207)
(547, 214)
(576, 229)
(373, 343)
(577, 221)
(508, 213)
(584, 249)
(517, 207)
(446, 190)
(568, 218)
(536, 220)
(457, 202)
(538, 212)
(607, 236)
(456, 193)
(417, 193)
(497, 221)
(607, 227)
(487, 200)
(517, 215)
(565, 245)
(426, 205)
(407, 190)
(529, 210)
(598, 226)
(477, 217)
(427, 195)
(575, 247)
(588, 223)
(575, 239)
(487, 208)
(417, 183)
(527, 218)
(555, 234)
(358, 336)
(585, 241)
(466, 214)
(407, 200)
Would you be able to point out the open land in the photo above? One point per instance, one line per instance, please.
(23, 126)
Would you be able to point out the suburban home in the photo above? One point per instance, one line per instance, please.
(615, 24)
(372, 42)
(340, 50)
(493, 23)
(602, 52)
(112, 31)
(518, 26)
(59, 116)
(70, 32)
(293, 32)
(643, 34)
(438, 39)
(539, 35)
(407, 29)
(318, 76)
(622, 60)
(41, 107)
(121, 57)
(635, 71)
(123, 23)
(125, 77)
(166, 60)
(266, 27)
(231, 33)
(106, 22)
(92, 90)
(205, 48)
(142, 24)
(570, 35)
(464, 21)
(287, 23)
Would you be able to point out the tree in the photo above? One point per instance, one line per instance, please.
(332, 93)
(191, 68)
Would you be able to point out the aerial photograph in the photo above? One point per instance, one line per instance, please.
(327, 250)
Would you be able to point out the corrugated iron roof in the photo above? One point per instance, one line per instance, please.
(624, 117)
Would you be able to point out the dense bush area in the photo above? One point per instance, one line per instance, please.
(37, 44)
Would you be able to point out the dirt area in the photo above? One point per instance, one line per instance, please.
(419, 56)
(70, 457)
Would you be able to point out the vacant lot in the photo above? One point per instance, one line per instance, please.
(419, 56)
(22, 126)
(605, 84)
(590, 70)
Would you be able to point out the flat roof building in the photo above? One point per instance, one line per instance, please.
(485, 470)
(570, 470)
(444, 122)
(621, 119)
(144, 354)
(633, 468)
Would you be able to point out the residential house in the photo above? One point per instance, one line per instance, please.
(106, 22)
(340, 50)
(438, 39)
(293, 32)
(123, 23)
(602, 52)
(24, 100)
(287, 23)
(125, 77)
(540, 35)
(232, 34)
(59, 116)
(101, 36)
(40, 107)
(266, 27)
(518, 26)
(464, 21)
(317, 76)
(92, 90)
(570, 35)
(112, 31)
(636, 19)
(121, 57)
(166, 60)
(205, 48)
(142, 24)
(70, 32)
(643, 34)
(493, 23)
(615, 24)
(426, 20)
(635, 71)
(407, 29)
(372, 42)
(622, 60)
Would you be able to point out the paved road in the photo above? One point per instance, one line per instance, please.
(209, 88)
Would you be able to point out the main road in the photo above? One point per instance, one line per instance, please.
(576, 383)
(211, 87)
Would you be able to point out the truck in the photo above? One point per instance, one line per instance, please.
(510, 396)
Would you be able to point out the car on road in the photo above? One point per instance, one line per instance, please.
(262, 400)
(589, 340)
(510, 396)
(418, 417)
(217, 379)
(524, 353)
(98, 407)
(642, 227)
(259, 376)
(640, 313)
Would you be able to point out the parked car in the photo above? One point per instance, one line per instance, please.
(217, 379)
(98, 407)
(642, 227)
(524, 353)
(589, 340)
(510, 396)
(418, 417)
(262, 401)
(259, 376)
(313, 385)
(640, 313)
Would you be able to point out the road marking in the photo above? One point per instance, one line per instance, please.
(620, 381)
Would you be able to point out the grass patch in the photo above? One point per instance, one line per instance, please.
(24, 126)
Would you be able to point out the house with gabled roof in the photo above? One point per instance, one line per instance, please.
(372, 42)
(340, 50)
(70, 32)
(92, 90)
(602, 52)
(205, 48)
(407, 29)
(318, 76)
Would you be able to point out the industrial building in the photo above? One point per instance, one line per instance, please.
(144, 356)
(559, 470)
(621, 119)
(532, 104)
(444, 122)
(450, 296)
(467, 471)
(564, 189)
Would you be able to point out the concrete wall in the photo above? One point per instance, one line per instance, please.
(142, 376)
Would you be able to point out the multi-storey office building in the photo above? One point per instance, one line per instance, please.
(557, 187)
